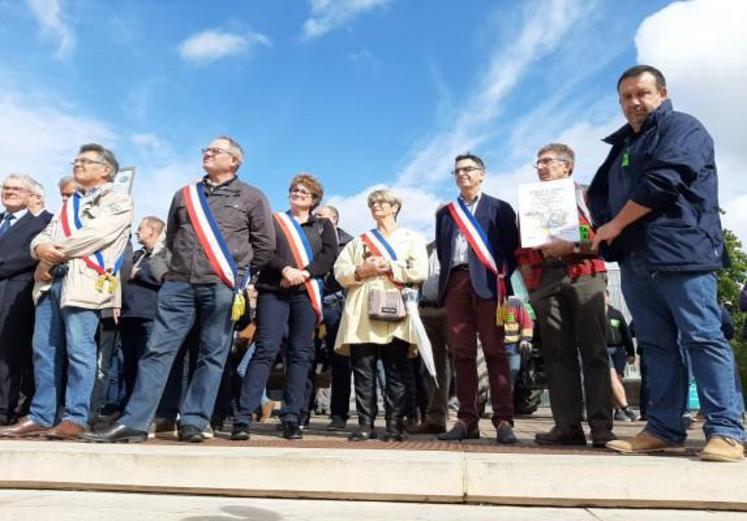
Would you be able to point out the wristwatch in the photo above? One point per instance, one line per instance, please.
(577, 247)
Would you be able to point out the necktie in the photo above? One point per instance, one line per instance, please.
(6, 224)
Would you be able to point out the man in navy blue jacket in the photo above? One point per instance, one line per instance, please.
(18, 227)
(469, 290)
(656, 200)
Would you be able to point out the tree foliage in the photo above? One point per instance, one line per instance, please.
(730, 282)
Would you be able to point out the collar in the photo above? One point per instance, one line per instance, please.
(213, 186)
(474, 201)
(652, 120)
(16, 215)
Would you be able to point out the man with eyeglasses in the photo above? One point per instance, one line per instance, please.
(476, 237)
(656, 199)
(213, 225)
(566, 283)
(79, 256)
(18, 227)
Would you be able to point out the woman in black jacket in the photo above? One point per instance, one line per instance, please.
(289, 300)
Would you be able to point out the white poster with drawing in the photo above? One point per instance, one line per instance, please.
(548, 209)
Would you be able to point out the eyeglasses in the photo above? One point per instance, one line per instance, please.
(215, 151)
(546, 161)
(300, 191)
(379, 202)
(465, 169)
(84, 161)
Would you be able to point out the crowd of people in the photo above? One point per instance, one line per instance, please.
(190, 326)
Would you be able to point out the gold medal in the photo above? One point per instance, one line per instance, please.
(238, 307)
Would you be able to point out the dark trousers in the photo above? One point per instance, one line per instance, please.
(106, 342)
(394, 357)
(16, 368)
(134, 335)
(467, 316)
(275, 312)
(434, 320)
(644, 393)
(340, 364)
(572, 320)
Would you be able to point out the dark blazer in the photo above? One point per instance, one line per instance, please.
(498, 220)
(16, 263)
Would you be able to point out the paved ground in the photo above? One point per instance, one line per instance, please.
(22, 505)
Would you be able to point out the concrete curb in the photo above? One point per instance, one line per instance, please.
(385, 475)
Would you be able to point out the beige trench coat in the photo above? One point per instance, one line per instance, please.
(106, 218)
(411, 267)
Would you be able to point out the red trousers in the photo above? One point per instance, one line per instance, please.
(467, 316)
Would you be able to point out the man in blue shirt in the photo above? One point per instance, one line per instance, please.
(655, 199)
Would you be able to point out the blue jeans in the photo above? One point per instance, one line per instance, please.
(180, 304)
(672, 309)
(275, 312)
(63, 336)
(514, 362)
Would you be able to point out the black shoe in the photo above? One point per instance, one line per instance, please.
(337, 424)
(292, 431)
(460, 432)
(504, 434)
(240, 431)
(600, 438)
(363, 434)
(117, 433)
(190, 434)
(394, 436)
(561, 436)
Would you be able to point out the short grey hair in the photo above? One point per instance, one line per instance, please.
(563, 151)
(387, 195)
(235, 148)
(105, 155)
(27, 179)
(37, 188)
(64, 181)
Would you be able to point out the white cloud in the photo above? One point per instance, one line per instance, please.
(701, 48)
(328, 15)
(48, 14)
(41, 141)
(213, 44)
(543, 27)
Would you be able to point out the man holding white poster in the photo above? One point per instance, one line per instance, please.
(566, 283)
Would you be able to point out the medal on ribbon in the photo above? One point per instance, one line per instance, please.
(70, 220)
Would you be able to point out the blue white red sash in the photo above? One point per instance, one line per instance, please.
(70, 220)
(478, 241)
(302, 255)
(210, 237)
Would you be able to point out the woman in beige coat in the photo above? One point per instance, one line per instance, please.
(386, 258)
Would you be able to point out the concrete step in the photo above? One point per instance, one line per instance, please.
(548, 478)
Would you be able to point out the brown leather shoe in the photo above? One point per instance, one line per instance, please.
(66, 430)
(643, 442)
(24, 427)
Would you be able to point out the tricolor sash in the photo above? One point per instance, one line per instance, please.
(302, 255)
(70, 220)
(211, 239)
(379, 246)
(478, 241)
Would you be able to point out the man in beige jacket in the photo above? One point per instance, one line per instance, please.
(79, 255)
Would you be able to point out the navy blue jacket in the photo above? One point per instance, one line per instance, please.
(498, 220)
(140, 292)
(673, 172)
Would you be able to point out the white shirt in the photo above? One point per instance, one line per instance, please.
(460, 250)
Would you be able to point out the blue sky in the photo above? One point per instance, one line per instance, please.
(358, 92)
